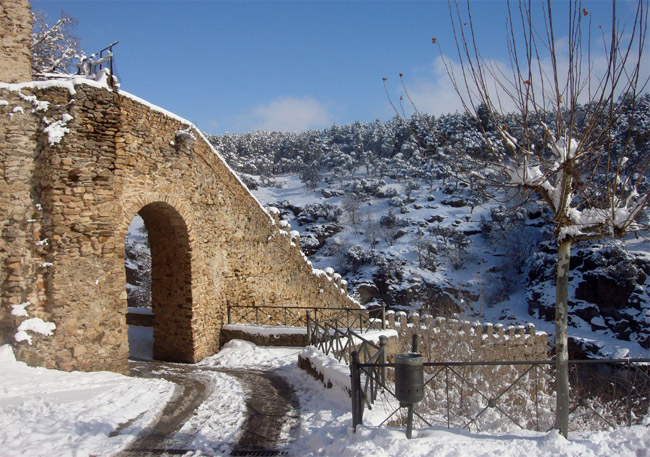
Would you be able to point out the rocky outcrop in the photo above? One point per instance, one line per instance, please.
(608, 290)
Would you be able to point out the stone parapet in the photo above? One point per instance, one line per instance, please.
(447, 340)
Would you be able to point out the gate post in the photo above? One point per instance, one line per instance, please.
(383, 342)
(355, 390)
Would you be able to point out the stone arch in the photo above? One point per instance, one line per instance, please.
(171, 281)
(121, 157)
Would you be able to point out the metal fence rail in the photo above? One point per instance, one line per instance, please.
(497, 396)
(340, 342)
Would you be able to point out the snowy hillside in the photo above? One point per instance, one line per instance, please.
(379, 204)
(437, 255)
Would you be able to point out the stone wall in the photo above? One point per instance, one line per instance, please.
(15, 36)
(79, 161)
(265, 336)
(453, 340)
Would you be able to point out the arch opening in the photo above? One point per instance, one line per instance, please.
(137, 263)
(167, 297)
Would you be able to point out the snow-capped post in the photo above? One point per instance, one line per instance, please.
(564, 147)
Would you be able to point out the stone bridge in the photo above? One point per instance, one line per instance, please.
(79, 160)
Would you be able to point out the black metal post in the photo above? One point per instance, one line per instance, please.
(409, 422)
(308, 328)
(414, 346)
(627, 399)
(447, 394)
(355, 388)
(229, 317)
(383, 341)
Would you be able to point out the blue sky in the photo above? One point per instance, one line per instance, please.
(283, 65)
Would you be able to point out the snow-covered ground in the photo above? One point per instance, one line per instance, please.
(54, 413)
(51, 413)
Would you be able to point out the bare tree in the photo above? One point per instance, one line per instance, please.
(562, 150)
(352, 205)
(55, 49)
(561, 147)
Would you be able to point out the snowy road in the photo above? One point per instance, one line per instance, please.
(271, 408)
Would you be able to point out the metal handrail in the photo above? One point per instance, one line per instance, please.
(340, 338)
(89, 65)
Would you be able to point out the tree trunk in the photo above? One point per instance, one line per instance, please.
(561, 338)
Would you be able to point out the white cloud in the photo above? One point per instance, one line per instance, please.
(287, 114)
(434, 93)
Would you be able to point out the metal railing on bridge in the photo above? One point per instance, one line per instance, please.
(295, 316)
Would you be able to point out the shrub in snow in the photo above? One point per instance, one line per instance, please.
(507, 231)
(357, 256)
(427, 253)
(389, 193)
(390, 269)
(367, 187)
(410, 187)
(454, 243)
(338, 249)
(325, 211)
(309, 243)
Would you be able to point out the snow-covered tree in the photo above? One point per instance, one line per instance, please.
(55, 49)
(564, 149)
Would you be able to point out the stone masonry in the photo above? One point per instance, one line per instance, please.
(15, 35)
(444, 340)
(78, 162)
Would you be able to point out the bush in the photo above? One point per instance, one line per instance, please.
(396, 202)
(427, 253)
(326, 211)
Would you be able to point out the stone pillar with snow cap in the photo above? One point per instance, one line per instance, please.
(428, 321)
(414, 318)
(390, 316)
(275, 214)
(295, 236)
